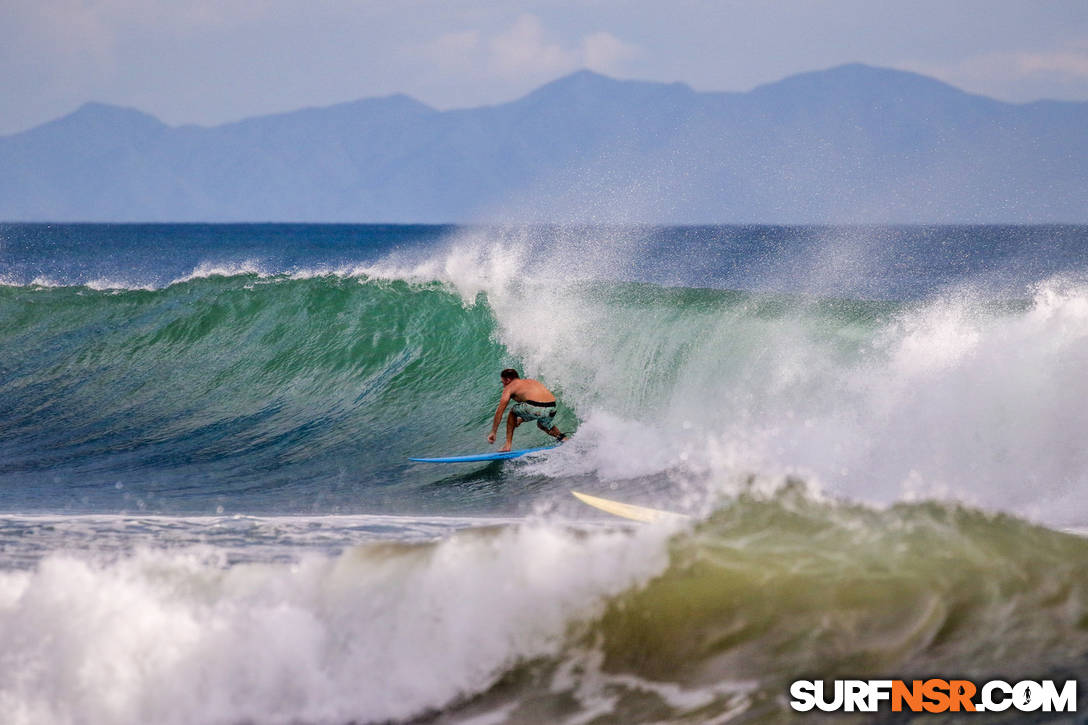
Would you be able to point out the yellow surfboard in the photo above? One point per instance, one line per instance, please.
(626, 510)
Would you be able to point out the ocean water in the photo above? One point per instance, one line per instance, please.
(207, 512)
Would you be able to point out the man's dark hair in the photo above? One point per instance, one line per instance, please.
(509, 374)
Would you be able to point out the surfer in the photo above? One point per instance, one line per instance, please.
(532, 401)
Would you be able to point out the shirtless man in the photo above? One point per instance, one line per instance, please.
(532, 401)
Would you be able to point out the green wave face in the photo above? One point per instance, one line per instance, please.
(258, 383)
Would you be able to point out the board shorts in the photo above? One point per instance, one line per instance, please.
(542, 413)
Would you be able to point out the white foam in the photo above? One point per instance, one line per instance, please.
(44, 281)
(952, 398)
(469, 267)
(203, 270)
(206, 270)
(598, 692)
(381, 632)
(106, 284)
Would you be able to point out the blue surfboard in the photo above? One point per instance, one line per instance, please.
(483, 456)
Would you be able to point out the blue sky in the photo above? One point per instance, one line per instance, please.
(212, 61)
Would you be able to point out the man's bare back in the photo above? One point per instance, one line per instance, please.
(528, 389)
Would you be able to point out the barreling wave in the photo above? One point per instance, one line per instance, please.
(251, 381)
(256, 391)
(544, 622)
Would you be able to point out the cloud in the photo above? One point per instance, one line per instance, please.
(1070, 63)
(524, 51)
(1004, 72)
(605, 52)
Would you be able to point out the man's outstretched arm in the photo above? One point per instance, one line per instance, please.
(503, 402)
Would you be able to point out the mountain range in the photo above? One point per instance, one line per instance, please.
(853, 144)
